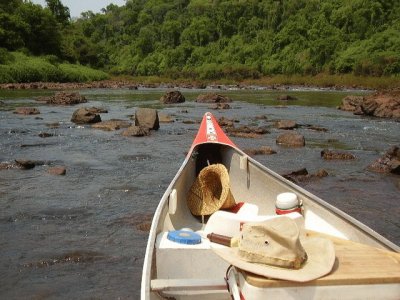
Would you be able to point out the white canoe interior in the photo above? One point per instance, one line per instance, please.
(367, 265)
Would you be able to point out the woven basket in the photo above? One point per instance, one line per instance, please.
(210, 191)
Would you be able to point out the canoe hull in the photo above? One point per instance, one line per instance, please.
(200, 273)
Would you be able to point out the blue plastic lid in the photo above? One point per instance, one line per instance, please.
(184, 237)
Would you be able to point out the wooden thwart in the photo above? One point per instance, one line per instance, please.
(187, 284)
(355, 264)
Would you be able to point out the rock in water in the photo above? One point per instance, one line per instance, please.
(172, 97)
(136, 131)
(147, 117)
(291, 139)
(213, 98)
(57, 170)
(26, 111)
(85, 116)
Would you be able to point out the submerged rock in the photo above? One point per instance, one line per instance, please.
(59, 170)
(246, 131)
(111, 125)
(136, 131)
(26, 111)
(226, 122)
(302, 175)
(164, 118)
(25, 164)
(336, 155)
(45, 134)
(212, 98)
(263, 150)
(286, 124)
(286, 97)
(291, 139)
(220, 106)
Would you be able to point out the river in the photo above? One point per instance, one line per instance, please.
(83, 235)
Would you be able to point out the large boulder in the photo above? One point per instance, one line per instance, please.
(83, 115)
(388, 163)
(212, 98)
(291, 139)
(147, 117)
(171, 97)
(351, 103)
(383, 104)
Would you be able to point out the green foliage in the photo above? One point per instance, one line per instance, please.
(208, 38)
(78, 73)
(22, 68)
(238, 38)
(59, 11)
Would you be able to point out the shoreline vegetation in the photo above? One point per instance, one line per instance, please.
(324, 44)
(279, 82)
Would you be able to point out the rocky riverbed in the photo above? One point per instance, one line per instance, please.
(77, 197)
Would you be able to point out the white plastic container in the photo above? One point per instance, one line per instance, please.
(287, 203)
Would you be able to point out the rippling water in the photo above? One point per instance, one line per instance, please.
(83, 235)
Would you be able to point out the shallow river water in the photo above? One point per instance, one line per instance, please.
(83, 235)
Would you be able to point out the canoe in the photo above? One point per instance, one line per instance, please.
(366, 265)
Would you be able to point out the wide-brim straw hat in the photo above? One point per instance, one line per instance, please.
(274, 249)
(210, 191)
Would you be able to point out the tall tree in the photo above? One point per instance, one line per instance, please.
(59, 11)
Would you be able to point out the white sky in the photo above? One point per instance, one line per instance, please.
(76, 7)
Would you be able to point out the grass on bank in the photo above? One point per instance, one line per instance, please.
(17, 67)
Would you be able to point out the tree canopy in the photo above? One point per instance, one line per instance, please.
(214, 38)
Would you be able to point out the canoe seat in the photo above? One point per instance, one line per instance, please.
(356, 264)
(184, 284)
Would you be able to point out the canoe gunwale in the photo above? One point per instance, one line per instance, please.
(336, 211)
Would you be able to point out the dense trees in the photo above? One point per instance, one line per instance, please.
(252, 38)
(213, 38)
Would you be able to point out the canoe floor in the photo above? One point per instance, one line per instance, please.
(355, 264)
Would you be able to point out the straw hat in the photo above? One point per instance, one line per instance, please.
(274, 249)
(210, 191)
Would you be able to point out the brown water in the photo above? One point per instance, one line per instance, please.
(83, 235)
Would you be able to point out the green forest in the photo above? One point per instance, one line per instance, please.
(200, 39)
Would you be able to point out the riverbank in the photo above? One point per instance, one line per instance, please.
(279, 82)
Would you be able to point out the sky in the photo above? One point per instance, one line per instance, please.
(76, 7)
